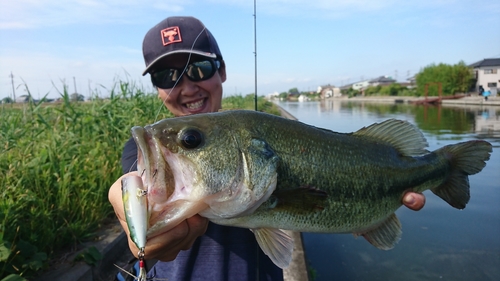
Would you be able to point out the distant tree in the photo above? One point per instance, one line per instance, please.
(293, 91)
(463, 79)
(250, 96)
(372, 90)
(392, 89)
(283, 95)
(350, 92)
(7, 100)
(453, 78)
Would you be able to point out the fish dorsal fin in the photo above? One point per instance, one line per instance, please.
(404, 136)
(386, 235)
(276, 244)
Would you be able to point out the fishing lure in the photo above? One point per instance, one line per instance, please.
(135, 206)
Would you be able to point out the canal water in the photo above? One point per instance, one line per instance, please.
(438, 242)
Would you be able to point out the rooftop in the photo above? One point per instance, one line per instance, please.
(486, 63)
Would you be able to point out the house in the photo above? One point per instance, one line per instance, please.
(382, 80)
(328, 91)
(487, 74)
(412, 80)
(22, 99)
(303, 98)
(346, 87)
(361, 85)
(274, 95)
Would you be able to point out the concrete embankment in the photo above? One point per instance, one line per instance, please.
(110, 241)
(472, 100)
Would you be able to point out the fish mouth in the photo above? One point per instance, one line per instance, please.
(157, 177)
(176, 182)
(165, 181)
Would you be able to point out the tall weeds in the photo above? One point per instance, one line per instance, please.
(57, 162)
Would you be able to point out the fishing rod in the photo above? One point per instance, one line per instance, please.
(255, 46)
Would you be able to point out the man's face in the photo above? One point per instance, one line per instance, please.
(189, 97)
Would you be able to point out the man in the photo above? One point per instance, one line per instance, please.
(188, 70)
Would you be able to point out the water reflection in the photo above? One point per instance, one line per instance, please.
(439, 242)
(441, 119)
(487, 122)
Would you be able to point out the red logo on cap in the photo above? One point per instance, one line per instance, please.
(171, 35)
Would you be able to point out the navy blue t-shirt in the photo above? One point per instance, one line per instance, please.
(222, 253)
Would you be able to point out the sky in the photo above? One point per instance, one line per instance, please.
(91, 45)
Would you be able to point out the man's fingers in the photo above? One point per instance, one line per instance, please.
(414, 201)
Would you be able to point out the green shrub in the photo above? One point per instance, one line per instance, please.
(453, 79)
(57, 162)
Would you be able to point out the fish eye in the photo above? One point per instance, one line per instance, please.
(191, 138)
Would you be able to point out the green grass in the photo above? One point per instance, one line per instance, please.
(248, 102)
(57, 162)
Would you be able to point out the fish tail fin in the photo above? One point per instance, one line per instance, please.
(466, 158)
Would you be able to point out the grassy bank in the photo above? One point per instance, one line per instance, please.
(57, 162)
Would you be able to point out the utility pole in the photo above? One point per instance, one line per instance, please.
(74, 83)
(13, 89)
(90, 91)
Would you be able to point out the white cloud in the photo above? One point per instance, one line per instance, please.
(36, 14)
(42, 13)
(58, 71)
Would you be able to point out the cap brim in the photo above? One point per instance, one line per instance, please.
(208, 55)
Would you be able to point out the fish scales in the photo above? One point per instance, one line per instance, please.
(266, 173)
(355, 182)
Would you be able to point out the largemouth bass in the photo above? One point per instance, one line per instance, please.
(266, 173)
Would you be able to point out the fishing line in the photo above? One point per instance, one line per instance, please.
(180, 76)
(176, 82)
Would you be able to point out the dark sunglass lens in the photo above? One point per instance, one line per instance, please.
(201, 70)
(165, 79)
(195, 71)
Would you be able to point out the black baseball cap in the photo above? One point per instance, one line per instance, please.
(178, 35)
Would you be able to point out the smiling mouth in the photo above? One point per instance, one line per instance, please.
(195, 105)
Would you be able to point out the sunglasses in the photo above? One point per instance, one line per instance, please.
(195, 71)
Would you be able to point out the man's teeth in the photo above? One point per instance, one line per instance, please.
(194, 105)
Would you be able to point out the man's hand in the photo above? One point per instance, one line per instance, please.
(165, 246)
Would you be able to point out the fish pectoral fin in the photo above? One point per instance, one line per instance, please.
(276, 244)
(302, 199)
(386, 235)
